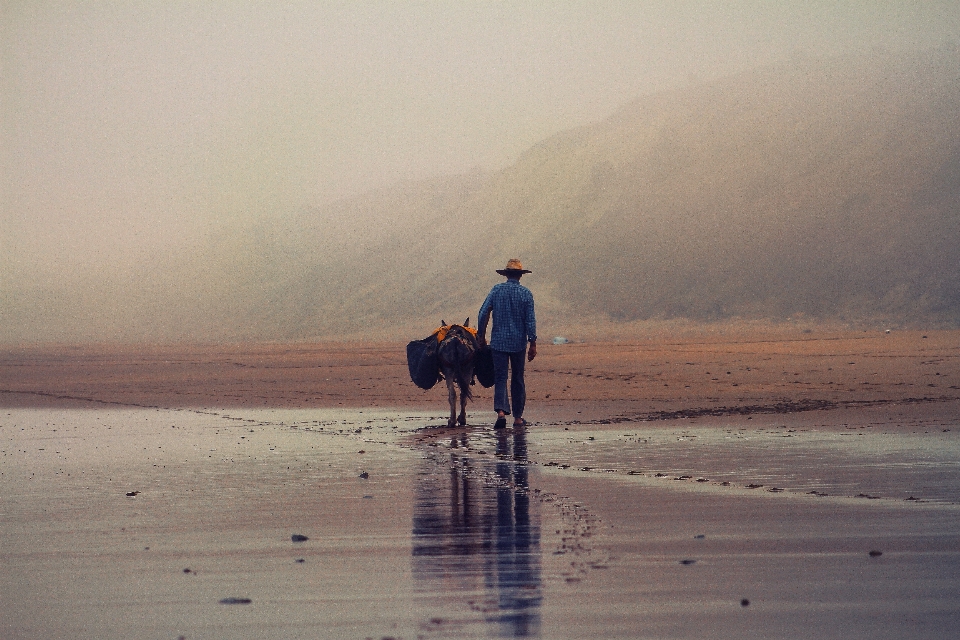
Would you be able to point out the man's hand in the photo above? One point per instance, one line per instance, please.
(482, 339)
(532, 352)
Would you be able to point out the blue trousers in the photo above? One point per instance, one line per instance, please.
(518, 390)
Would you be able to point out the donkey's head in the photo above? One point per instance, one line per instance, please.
(459, 332)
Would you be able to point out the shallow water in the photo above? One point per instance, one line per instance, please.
(860, 462)
(416, 530)
(193, 513)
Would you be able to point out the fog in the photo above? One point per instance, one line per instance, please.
(132, 130)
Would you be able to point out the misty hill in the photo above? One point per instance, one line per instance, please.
(829, 188)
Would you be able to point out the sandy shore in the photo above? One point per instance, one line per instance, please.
(654, 377)
(154, 493)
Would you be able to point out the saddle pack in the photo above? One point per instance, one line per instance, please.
(422, 361)
(424, 365)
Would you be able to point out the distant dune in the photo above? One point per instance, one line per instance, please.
(824, 188)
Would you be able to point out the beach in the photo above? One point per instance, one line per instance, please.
(750, 485)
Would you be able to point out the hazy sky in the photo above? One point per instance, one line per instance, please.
(132, 125)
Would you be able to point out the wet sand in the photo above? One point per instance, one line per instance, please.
(655, 495)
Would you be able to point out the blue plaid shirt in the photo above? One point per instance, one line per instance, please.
(514, 322)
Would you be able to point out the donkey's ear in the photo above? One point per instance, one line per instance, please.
(467, 322)
(443, 323)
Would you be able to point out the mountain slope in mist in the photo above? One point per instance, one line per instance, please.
(825, 188)
(829, 188)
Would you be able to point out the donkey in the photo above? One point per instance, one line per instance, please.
(455, 355)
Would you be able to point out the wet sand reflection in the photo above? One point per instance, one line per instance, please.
(476, 535)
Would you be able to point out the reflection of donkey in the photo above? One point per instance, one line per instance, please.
(455, 354)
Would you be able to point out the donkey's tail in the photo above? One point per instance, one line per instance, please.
(459, 364)
(465, 369)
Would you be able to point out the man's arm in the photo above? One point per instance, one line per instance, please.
(482, 319)
(531, 329)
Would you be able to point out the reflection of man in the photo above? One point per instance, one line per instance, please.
(481, 536)
(514, 325)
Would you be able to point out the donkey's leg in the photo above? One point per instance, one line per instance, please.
(452, 397)
(462, 419)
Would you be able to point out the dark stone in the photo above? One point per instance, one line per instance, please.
(299, 538)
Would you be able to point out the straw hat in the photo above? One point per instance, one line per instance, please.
(514, 267)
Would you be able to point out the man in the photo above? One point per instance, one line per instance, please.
(514, 325)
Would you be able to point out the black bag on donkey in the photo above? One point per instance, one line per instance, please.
(422, 362)
(483, 367)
